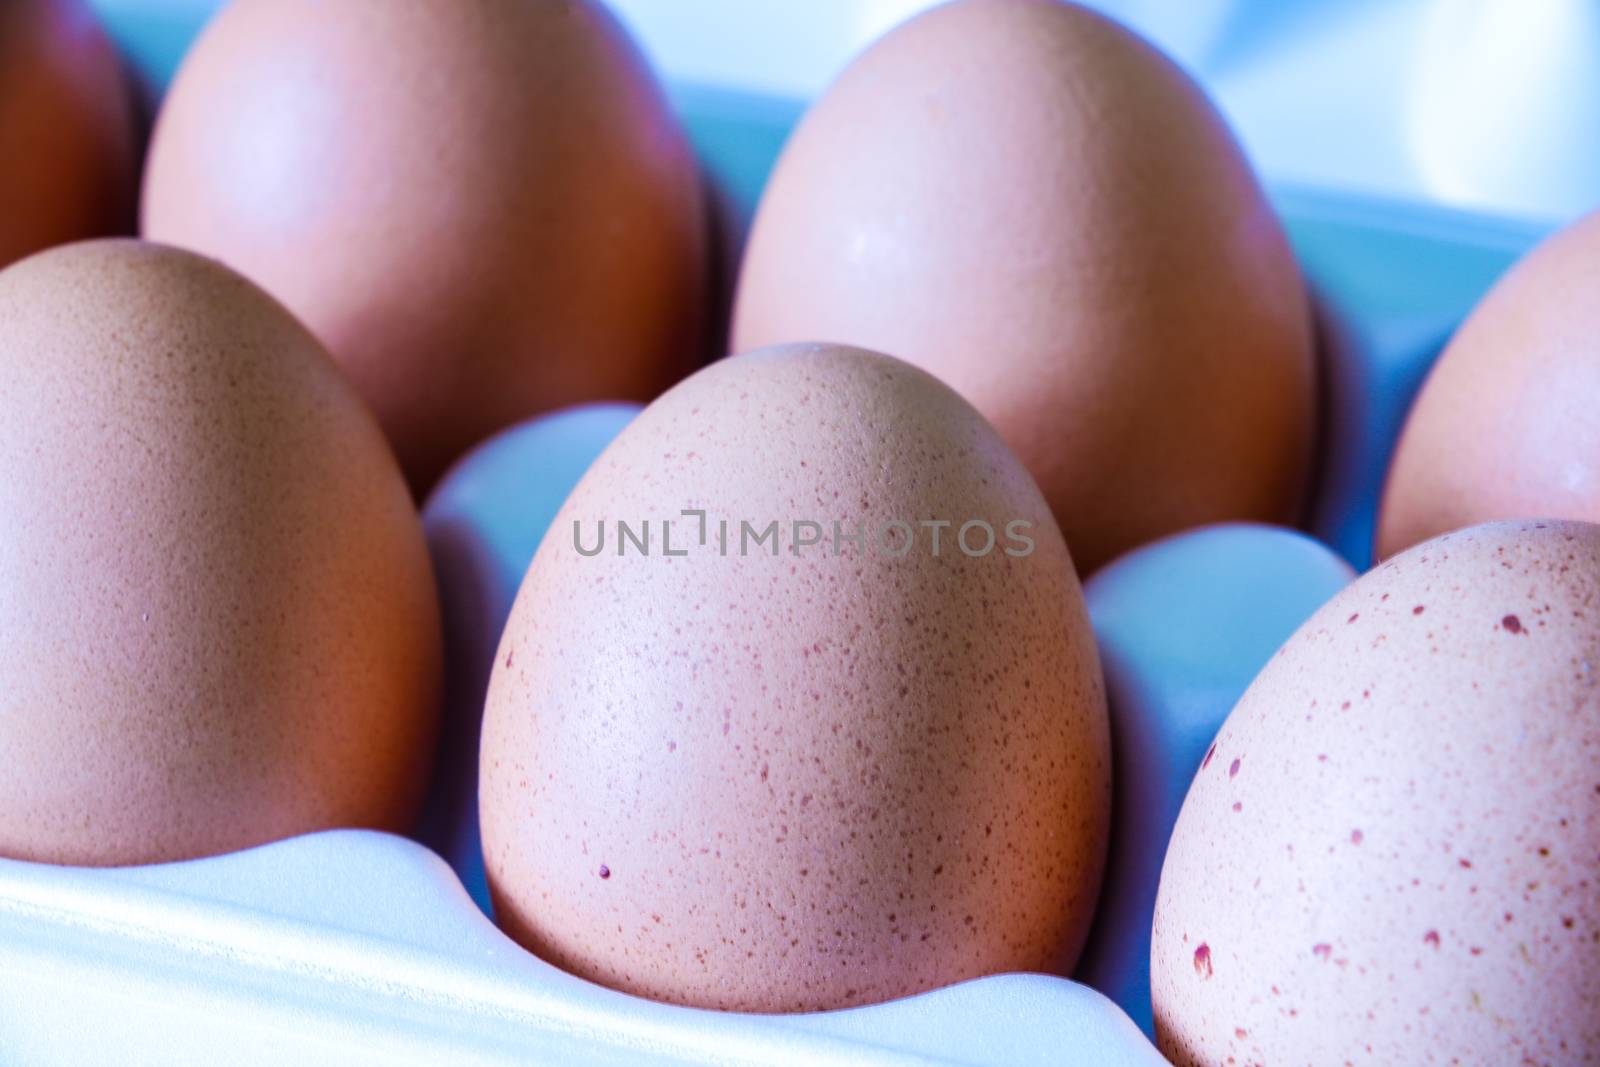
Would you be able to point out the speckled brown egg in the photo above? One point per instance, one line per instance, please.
(1505, 425)
(69, 144)
(1027, 200)
(484, 208)
(217, 620)
(801, 772)
(1391, 854)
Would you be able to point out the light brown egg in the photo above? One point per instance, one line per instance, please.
(1030, 202)
(217, 620)
(69, 146)
(784, 782)
(1392, 852)
(482, 207)
(1505, 425)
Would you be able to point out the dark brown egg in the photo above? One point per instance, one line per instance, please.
(69, 145)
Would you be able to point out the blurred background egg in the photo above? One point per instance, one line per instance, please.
(1391, 853)
(1505, 425)
(1183, 626)
(482, 207)
(217, 621)
(484, 521)
(1030, 202)
(815, 775)
(69, 129)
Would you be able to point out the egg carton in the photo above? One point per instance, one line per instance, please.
(354, 946)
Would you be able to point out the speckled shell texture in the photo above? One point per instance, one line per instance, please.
(217, 619)
(69, 146)
(1392, 853)
(1028, 201)
(483, 207)
(798, 782)
(1505, 426)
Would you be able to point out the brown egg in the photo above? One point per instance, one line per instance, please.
(217, 619)
(1030, 202)
(482, 207)
(1505, 425)
(69, 146)
(1391, 854)
(782, 775)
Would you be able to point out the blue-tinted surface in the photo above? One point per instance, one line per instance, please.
(1184, 625)
(484, 523)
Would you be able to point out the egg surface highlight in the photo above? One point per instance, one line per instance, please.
(482, 207)
(1033, 204)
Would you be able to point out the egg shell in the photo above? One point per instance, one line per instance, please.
(1391, 854)
(217, 620)
(1030, 202)
(484, 208)
(1183, 626)
(1504, 427)
(484, 521)
(798, 781)
(69, 130)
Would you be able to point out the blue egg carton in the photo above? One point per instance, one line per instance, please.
(353, 946)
